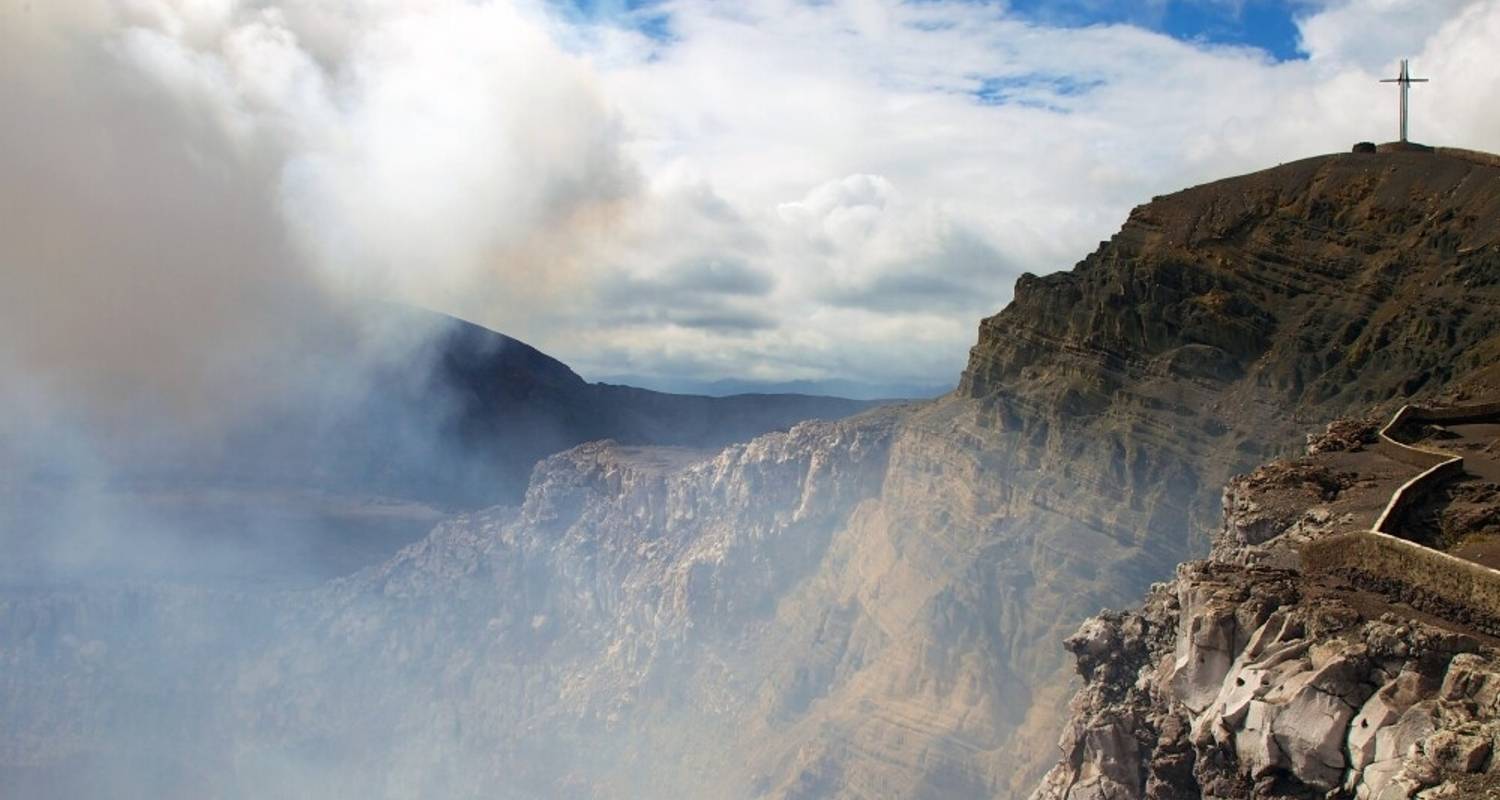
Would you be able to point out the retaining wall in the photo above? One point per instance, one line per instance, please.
(1428, 579)
(1438, 466)
(1415, 455)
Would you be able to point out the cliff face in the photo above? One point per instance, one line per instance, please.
(872, 607)
(1334, 281)
(1242, 681)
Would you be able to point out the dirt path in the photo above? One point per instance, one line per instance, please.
(1464, 512)
(1479, 444)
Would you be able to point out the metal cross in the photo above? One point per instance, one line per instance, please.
(1406, 80)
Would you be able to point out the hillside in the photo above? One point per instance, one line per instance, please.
(870, 607)
(420, 417)
(451, 413)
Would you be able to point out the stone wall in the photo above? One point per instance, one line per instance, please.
(1415, 455)
(1429, 580)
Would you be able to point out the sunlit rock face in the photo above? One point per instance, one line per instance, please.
(875, 607)
(1239, 682)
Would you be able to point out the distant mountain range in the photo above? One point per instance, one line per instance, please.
(859, 390)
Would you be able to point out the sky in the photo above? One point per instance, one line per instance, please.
(764, 190)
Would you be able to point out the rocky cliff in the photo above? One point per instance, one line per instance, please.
(1238, 679)
(864, 608)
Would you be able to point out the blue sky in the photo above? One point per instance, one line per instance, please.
(646, 16)
(1265, 24)
(1269, 25)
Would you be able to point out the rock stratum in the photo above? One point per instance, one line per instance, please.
(865, 608)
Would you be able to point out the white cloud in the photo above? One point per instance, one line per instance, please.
(1371, 34)
(461, 140)
(861, 131)
(878, 173)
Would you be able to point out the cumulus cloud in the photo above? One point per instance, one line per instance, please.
(900, 164)
(1369, 34)
(772, 188)
(462, 150)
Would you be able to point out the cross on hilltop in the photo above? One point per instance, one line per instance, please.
(1406, 80)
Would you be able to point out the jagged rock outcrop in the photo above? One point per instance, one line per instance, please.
(872, 607)
(1239, 680)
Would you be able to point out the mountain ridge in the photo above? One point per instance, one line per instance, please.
(412, 415)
